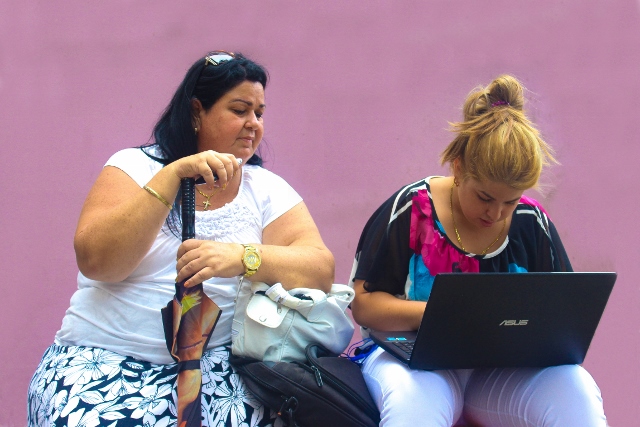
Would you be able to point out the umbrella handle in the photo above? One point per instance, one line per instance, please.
(188, 208)
(188, 190)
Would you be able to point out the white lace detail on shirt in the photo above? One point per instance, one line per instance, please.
(227, 220)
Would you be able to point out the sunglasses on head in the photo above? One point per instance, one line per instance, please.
(217, 57)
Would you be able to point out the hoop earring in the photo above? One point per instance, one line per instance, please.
(455, 182)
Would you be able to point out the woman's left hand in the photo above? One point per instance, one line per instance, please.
(204, 259)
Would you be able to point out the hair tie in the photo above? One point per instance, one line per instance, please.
(495, 104)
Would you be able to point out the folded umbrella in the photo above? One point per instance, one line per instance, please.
(189, 319)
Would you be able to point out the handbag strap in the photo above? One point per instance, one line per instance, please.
(296, 302)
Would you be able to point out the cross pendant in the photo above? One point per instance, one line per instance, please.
(206, 204)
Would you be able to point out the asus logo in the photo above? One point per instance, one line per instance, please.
(513, 322)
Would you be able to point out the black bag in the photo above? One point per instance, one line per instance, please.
(325, 391)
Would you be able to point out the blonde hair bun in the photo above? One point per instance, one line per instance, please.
(496, 141)
(504, 91)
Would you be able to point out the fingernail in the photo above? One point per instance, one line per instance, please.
(239, 161)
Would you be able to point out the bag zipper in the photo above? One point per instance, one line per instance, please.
(320, 382)
(316, 368)
(264, 384)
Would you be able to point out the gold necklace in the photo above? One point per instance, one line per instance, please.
(207, 203)
(504, 224)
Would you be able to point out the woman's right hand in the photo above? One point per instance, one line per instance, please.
(205, 165)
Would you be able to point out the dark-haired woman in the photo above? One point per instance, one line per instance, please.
(109, 364)
(476, 220)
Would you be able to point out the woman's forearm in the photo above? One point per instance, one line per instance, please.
(385, 312)
(296, 266)
(291, 252)
(294, 254)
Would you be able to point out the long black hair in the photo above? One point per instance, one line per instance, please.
(174, 135)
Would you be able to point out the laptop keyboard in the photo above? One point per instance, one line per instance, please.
(407, 346)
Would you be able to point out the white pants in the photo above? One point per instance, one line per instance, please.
(559, 396)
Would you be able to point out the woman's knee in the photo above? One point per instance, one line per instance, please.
(556, 396)
(572, 395)
(408, 397)
(565, 384)
(572, 385)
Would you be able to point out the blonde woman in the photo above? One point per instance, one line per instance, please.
(476, 220)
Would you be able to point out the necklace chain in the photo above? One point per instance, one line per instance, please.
(207, 202)
(504, 224)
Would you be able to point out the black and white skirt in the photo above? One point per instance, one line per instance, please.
(88, 387)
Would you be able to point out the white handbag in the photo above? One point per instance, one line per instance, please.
(275, 325)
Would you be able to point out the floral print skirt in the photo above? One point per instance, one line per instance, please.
(85, 386)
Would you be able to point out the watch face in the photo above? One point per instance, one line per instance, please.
(252, 261)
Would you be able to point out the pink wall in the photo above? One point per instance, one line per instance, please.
(360, 96)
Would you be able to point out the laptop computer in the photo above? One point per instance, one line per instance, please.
(481, 320)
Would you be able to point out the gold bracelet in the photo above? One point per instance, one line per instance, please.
(158, 196)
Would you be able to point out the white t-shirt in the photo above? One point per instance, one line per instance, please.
(125, 317)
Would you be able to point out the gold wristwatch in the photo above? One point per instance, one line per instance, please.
(251, 260)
